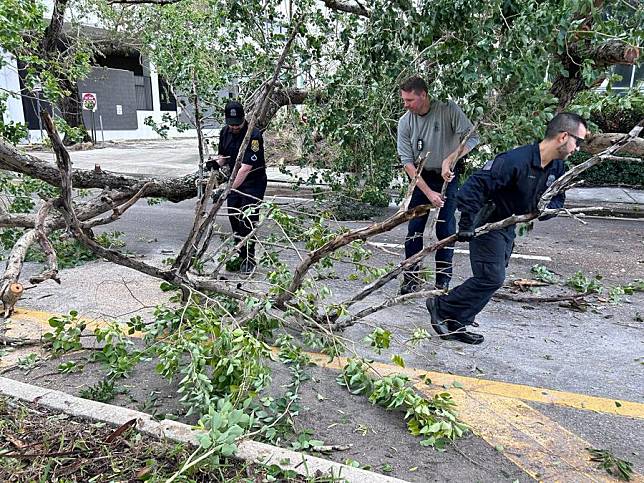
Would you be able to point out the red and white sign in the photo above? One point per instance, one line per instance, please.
(89, 101)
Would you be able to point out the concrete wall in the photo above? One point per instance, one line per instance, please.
(113, 88)
(9, 81)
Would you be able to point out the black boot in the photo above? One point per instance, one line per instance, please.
(411, 282)
(457, 331)
(438, 324)
(247, 267)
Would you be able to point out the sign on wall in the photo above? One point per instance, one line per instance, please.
(89, 101)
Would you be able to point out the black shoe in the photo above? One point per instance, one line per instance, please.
(247, 267)
(457, 332)
(411, 283)
(439, 326)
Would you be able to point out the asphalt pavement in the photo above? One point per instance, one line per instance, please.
(550, 380)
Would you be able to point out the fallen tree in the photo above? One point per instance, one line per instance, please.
(213, 336)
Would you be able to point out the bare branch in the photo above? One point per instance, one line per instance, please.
(570, 175)
(173, 189)
(10, 288)
(623, 159)
(119, 210)
(51, 272)
(414, 181)
(598, 142)
(347, 7)
(349, 321)
(533, 298)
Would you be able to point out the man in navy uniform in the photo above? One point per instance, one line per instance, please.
(511, 184)
(249, 185)
(433, 128)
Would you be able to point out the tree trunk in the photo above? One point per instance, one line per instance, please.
(599, 142)
(71, 109)
(612, 52)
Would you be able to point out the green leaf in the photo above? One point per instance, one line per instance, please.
(398, 360)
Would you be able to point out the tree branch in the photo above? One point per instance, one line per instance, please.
(566, 87)
(347, 7)
(120, 209)
(173, 189)
(54, 30)
(65, 201)
(51, 271)
(343, 240)
(606, 54)
(599, 142)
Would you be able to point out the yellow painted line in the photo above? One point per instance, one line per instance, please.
(19, 323)
(493, 410)
(22, 328)
(538, 445)
(517, 391)
(33, 324)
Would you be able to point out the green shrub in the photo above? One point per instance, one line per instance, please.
(609, 173)
(615, 118)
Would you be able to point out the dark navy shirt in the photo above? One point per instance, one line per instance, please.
(229, 145)
(514, 181)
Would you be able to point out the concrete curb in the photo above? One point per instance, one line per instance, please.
(250, 451)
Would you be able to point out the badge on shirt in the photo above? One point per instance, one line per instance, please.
(550, 180)
(254, 145)
(419, 145)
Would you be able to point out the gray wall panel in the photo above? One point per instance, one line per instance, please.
(112, 87)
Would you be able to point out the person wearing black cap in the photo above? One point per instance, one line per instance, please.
(249, 185)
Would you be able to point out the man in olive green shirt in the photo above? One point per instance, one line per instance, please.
(437, 127)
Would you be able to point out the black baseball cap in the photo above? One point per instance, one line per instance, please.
(234, 113)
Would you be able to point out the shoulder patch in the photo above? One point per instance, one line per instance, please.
(254, 145)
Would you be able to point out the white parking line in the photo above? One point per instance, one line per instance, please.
(542, 258)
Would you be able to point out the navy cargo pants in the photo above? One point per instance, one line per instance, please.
(243, 214)
(445, 226)
(489, 256)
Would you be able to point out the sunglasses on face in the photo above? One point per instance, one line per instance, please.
(578, 141)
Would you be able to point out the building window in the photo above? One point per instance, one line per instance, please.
(166, 98)
(143, 91)
(631, 76)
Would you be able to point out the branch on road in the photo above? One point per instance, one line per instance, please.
(537, 299)
(51, 267)
(173, 189)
